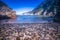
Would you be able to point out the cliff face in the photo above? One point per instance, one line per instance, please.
(6, 11)
(48, 8)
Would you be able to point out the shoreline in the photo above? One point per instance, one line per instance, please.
(30, 23)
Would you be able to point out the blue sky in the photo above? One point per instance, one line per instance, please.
(21, 6)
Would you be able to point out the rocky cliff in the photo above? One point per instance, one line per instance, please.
(6, 12)
(48, 8)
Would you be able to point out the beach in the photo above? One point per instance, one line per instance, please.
(30, 31)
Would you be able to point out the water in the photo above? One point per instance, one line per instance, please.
(29, 19)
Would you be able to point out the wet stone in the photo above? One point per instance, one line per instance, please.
(29, 31)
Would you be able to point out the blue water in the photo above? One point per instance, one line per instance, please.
(33, 19)
(30, 19)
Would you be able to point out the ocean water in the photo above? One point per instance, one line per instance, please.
(29, 19)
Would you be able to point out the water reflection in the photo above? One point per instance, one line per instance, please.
(29, 19)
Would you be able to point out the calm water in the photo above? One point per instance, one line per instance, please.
(29, 19)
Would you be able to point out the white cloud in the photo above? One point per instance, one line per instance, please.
(20, 11)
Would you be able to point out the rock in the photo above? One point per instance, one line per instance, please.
(6, 11)
(48, 8)
(27, 33)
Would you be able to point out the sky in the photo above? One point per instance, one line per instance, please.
(21, 6)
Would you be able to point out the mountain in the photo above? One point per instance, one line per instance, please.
(48, 8)
(45, 8)
(6, 12)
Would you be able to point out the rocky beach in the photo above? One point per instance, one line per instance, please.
(30, 31)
